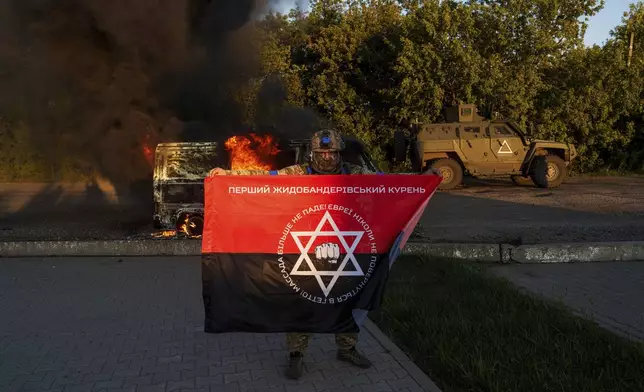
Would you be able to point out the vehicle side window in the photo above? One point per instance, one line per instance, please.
(472, 129)
(500, 130)
(466, 112)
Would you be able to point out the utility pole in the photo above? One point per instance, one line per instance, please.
(634, 20)
(630, 48)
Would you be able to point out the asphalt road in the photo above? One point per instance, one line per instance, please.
(583, 209)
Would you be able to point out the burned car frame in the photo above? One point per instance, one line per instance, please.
(180, 170)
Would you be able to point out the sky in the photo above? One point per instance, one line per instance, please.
(599, 26)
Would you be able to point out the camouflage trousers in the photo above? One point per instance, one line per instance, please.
(300, 341)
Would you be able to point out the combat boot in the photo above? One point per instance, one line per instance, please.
(295, 365)
(354, 357)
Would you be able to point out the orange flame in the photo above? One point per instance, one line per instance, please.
(148, 152)
(246, 156)
(181, 229)
(184, 227)
(165, 234)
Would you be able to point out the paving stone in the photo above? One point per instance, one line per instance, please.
(177, 385)
(152, 388)
(137, 326)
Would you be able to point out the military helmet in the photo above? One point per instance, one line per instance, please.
(327, 140)
(325, 151)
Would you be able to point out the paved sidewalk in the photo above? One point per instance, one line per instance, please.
(610, 293)
(109, 324)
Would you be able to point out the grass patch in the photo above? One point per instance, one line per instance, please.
(470, 331)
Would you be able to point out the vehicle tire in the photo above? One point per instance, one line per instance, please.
(556, 171)
(451, 170)
(539, 171)
(400, 146)
(194, 226)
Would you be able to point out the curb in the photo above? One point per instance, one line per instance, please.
(578, 252)
(414, 371)
(123, 248)
(482, 253)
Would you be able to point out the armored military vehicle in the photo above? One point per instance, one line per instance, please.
(468, 143)
(180, 170)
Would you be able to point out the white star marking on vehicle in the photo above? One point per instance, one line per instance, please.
(304, 253)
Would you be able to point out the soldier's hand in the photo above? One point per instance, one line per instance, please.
(218, 171)
(328, 252)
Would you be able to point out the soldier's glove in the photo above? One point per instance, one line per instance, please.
(328, 252)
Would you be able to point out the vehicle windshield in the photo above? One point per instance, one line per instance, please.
(187, 163)
(195, 166)
(515, 127)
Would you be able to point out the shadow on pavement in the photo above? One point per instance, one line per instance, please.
(74, 211)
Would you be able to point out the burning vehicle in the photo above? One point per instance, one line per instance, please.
(180, 170)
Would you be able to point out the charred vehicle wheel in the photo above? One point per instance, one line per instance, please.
(539, 171)
(190, 224)
(451, 171)
(194, 226)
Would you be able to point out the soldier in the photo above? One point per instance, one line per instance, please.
(325, 158)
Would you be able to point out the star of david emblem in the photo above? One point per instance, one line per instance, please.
(340, 235)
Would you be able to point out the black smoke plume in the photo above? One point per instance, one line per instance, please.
(100, 82)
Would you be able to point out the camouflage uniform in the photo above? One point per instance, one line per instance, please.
(299, 342)
(322, 142)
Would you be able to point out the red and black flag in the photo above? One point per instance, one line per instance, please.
(303, 253)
